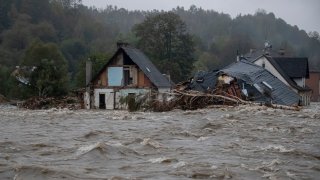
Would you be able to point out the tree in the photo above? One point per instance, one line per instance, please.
(314, 35)
(165, 39)
(206, 62)
(50, 77)
(68, 3)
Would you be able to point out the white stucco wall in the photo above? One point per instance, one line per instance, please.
(86, 100)
(96, 96)
(300, 81)
(126, 92)
(110, 93)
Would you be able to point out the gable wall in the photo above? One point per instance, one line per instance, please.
(300, 81)
(139, 79)
(272, 70)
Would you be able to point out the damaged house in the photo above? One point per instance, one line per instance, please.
(128, 73)
(292, 71)
(246, 81)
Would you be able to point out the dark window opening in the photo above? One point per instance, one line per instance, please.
(102, 101)
(200, 80)
(127, 60)
(127, 78)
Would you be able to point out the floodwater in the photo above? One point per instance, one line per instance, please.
(226, 143)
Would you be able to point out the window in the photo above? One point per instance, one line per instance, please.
(263, 65)
(115, 76)
(267, 85)
(127, 78)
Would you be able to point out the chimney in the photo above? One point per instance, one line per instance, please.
(121, 44)
(267, 48)
(238, 57)
(88, 71)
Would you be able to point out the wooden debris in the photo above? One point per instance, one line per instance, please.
(191, 100)
(68, 102)
(3, 99)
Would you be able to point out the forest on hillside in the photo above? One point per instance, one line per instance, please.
(65, 33)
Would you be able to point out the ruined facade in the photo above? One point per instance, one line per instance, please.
(128, 72)
(246, 81)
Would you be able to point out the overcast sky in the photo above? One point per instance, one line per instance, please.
(303, 13)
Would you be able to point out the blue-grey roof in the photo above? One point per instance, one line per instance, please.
(141, 60)
(254, 74)
(204, 81)
(288, 67)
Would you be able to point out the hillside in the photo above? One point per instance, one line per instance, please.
(81, 32)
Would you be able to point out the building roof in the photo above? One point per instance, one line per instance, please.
(294, 67)
(148, 68)
(143, 62)
(254, 74)
(204, 81)
(288, 67)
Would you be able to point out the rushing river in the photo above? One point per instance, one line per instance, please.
(226, 143)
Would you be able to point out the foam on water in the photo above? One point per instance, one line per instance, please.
(152, 143)
(162, 160)
(245, 142)
(279, 148)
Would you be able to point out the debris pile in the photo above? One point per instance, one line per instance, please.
(67, 102)
(3, 99)
(239, 83)
(191, 100)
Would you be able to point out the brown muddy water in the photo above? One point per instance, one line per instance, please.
(227, 143)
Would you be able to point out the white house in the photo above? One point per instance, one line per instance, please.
(292, 71)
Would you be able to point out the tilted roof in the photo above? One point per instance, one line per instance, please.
(254, 74)
(204, 81)
(288, 67)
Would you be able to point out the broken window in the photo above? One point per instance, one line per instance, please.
(127, 77)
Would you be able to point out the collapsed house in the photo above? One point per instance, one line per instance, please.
(292, 71)
(247, 81)
(128, 73)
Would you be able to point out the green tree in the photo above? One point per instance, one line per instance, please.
(165, 39)
(206, 62)
(50, 77)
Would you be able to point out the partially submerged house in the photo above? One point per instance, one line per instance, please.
(247, 81)
(128, 72)
(292, 71)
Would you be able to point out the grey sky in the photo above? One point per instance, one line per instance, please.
(303, 13)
